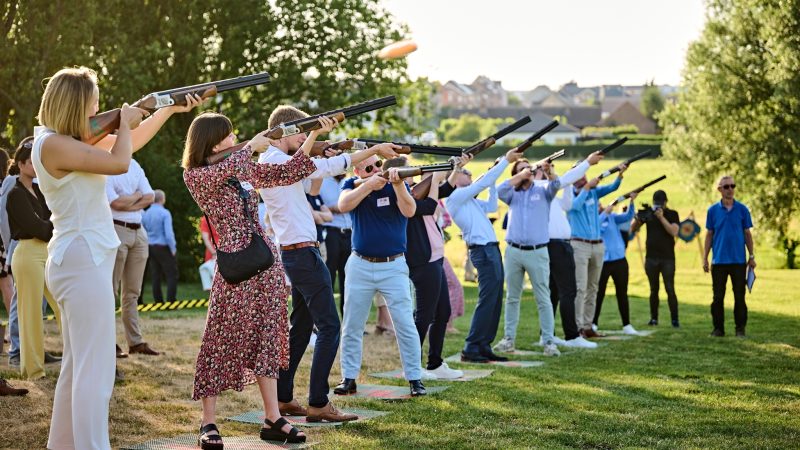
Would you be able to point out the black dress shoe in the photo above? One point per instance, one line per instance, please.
(50, 359)
(676, 324)
(473, 358)
(653, 322)
(740, 333)
(346, 387)
(417, 389)
(491, 356)
(717, 333)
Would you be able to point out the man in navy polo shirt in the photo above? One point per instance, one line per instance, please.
(379, 211)
(728, 226)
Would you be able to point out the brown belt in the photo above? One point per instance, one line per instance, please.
(379, 259)
(132, 226)
(300, 245)
(588, 241)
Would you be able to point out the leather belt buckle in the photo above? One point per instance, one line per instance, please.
(378, 259)
(300, 245)
(131, 226)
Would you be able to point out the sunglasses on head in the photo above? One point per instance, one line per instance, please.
(728, 186)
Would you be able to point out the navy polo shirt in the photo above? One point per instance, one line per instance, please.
(728, 226)
(379, 228)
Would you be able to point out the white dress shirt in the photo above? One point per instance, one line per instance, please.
(289, 214)
(126, 184)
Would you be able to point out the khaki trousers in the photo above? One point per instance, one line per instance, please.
(588, 266)
(128, 275)
(27, 266)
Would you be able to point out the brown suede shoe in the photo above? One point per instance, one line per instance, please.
(328, 413)
(293, 408)
(5, 389)
(590, 333)
(143, 348)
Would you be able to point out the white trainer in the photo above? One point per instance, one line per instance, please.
(312, 341)
(551, 350)
(444, 372)
(429, 375)
(580, 342)
(594, 328)
(628, 329)
(506, 345)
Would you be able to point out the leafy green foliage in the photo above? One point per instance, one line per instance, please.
(739, 110)
(652, 102)
(470, 128)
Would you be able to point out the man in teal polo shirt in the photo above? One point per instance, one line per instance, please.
(728, 224)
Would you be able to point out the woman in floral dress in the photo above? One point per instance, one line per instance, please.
(246, 334)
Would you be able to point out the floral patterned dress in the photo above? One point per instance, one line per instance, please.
(247, 327)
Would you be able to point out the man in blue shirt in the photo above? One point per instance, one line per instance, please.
(728, 226)
(469, 214)
(379, 211)
(527, 238)
(157, 222)
(587, 243)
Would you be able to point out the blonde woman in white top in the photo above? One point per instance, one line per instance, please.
(83, 248)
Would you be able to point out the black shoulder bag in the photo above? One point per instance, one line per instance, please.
(244, 264)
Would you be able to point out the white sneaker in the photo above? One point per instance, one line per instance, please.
(556, 340)
(580, 342)
(551, 350)
(313, 341)
(594, 328)
(505, 345)
(444, 372)
(628, 329)
(428, 375)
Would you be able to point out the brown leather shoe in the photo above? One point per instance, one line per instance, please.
(590, 333)
(328, 413)
(120, 353)
(5, 389)
(143, 348)
(293, 408)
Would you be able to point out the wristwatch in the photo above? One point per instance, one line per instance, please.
(753, 256)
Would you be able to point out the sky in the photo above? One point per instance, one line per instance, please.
(526, 43)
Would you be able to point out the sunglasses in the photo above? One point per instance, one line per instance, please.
(467, 173)
(728, 186)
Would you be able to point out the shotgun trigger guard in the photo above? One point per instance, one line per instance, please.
(163, 100)
(289, 130)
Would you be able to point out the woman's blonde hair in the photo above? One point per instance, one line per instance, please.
(66, 99)
(206, 131)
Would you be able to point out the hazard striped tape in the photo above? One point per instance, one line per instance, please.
(166, 306)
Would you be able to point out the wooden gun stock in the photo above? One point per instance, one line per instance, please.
(637, 190)
(412, 171)
(107, 122)
(311, 123)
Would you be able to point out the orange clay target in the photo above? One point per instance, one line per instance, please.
(397, 49)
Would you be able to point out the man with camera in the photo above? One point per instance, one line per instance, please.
(662, 227)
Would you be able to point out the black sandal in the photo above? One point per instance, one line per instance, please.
(203, 441)
(275, 433)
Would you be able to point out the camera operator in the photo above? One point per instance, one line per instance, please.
(662, 227)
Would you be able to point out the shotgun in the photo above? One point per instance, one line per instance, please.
(105, 123)
(421, 189)
(536, 136)
(549, 159)
(627, 162)
(412, 171)
(637, 190)
(362, 144)
(312, 122)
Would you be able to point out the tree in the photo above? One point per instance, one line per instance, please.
(652, 102)
(739, 109)
(320, 53)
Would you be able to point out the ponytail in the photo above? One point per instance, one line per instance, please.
(22, 154)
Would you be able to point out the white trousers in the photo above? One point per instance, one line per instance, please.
(207, 273)
(83, 292)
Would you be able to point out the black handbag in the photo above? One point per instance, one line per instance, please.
(248, 262)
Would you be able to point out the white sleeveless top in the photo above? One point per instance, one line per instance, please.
(79, 207)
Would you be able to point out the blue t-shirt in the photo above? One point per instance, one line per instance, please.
(728, 226)
(379, 228)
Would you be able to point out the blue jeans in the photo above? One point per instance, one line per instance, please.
(362, 281)
(312, 304)
(489, 264)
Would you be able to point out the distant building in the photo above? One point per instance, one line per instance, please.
(627, 114)
(481, 93)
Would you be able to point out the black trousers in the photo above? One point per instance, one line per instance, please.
(618, 271)
(312, 305)
(433, 307)
(163, 262)
(719, 279)
(338, 244)
(563, 287)
(666, 268)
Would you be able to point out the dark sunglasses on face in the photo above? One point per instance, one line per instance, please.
(728, 186)
(466, 172)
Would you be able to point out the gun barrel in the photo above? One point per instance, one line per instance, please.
(417, 148)
(491, 140)
(536, 136)
(224, 85)
(613, 146)
(639, 189)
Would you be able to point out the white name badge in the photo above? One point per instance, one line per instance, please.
(590, 201)
(247, 186)
(384, 201)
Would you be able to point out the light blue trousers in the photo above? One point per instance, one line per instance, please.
(537, 264)
(362, 280)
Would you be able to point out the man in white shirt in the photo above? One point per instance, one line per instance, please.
(129, 193)
(290, 217)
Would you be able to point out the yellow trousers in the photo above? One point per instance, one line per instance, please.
(27, 266)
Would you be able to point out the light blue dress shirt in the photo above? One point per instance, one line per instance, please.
(584, 218)
(469, 213)
(157, 222)
(330, 191)
(612, 224)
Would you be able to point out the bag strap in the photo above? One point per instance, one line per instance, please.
(244, 195)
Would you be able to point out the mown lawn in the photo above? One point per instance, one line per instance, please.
(673, 389)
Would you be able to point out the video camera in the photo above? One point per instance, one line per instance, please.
(647, 213)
